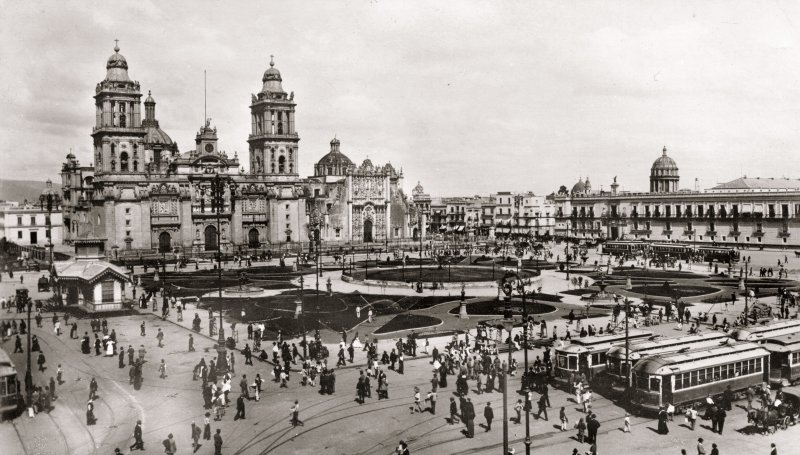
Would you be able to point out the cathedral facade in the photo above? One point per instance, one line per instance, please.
(142, 194)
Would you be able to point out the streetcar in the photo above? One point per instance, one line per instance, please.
(675, 251)
(587, 356)
(718, 254)
(784, 361)
(623, 248)
(764, 332)
(9, 396)
(617, 369)
(685, 378)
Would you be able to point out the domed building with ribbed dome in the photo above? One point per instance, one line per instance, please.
(148, 196)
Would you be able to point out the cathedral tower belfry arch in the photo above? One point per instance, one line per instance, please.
(273, 141)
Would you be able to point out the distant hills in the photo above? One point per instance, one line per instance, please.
(19, 190)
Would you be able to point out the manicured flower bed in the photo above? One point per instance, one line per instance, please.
(492, 307)
(674, 291)
(408, 322)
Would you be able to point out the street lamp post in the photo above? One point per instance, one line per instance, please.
(49, 200)
(525, 381)
(23, 299)
(508, 324)
(218, 187)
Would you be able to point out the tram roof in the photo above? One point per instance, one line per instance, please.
(766, 331)
(783, 343)
(598, 342)
(640, 348)
(678, 362)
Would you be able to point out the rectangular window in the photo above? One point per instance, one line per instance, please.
(19, 221)
(19, 234)
(128, 211)
(107, 288)
(33, 221)
(127, 222)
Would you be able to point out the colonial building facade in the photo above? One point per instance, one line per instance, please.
(745, 211)
(144, 194)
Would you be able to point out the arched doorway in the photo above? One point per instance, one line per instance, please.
(164, 242)
(211, 238)
(367, 230)
(416, 233)
(252, 238)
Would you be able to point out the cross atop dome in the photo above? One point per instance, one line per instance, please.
(271, 60)
(664, 151)
(116, 45)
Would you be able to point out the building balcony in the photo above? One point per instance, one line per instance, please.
(641, 231)
(783, 234)
(734, 233)
(757, 234)
(711, 233)
(667, 232)
(689, 231)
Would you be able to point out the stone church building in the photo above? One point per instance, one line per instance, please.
(149, 196)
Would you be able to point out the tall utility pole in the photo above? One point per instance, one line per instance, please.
(218, 187)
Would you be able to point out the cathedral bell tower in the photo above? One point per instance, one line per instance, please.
(118, 131)
(273, 139)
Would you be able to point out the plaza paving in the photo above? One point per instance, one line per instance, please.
(333, 423)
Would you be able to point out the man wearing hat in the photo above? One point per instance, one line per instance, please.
(137, 437)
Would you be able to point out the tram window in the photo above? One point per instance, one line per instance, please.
(701, 376)
(641, 383)
(693, 378)
(3, 387)
(679, 381)
(655, 384)
(573, 362)
(795, 358)
(562, 361)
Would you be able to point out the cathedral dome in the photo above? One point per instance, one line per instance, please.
(272, 78)
(117, 67)
(418, 189)
(156, 136)
(334, 163)
(663, 163)
(579, 187)
(335, 158)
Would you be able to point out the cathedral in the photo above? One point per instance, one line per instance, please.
(142, 194)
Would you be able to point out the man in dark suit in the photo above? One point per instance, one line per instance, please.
(239, 408)
(137, 437)
(218, 443)
(488, 413)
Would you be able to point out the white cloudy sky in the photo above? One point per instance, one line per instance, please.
(468, 97)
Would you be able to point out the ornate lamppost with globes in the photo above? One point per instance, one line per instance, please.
(219, 187)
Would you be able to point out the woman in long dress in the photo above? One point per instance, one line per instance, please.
(110, 351)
